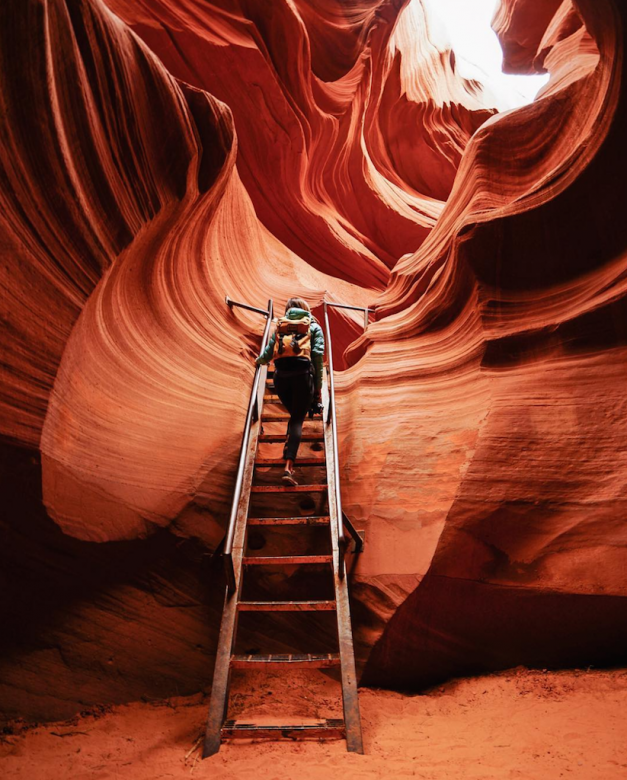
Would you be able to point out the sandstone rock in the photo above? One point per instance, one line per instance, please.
(158, 156)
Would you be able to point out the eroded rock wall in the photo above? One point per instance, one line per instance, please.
(158, 156)
(525, 547)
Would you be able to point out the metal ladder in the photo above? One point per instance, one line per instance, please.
(238, 562)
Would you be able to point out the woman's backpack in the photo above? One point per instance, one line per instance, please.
(293, 338)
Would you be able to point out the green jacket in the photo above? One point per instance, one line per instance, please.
(317, 345)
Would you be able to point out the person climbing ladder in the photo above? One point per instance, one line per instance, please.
(297, 349)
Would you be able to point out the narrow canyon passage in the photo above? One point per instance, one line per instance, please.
(159, 156)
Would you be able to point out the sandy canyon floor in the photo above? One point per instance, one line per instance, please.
(515, 724)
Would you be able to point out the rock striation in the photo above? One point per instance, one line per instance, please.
(157, 156)
(510, 320)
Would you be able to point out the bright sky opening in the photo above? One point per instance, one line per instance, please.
(478, 53)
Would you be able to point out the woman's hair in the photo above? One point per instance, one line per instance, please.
(296, 303)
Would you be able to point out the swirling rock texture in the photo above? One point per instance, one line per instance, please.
(513, 322)
(157, 156)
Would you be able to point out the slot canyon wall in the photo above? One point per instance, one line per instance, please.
(157, 156)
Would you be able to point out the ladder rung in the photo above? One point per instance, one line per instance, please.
(281, 437)
(286, 606)
(286, 418)
(307, 461)
(323, 728)
(284, 560)
(288, 489)
(317, 520)
(276, 401)
(306, 661)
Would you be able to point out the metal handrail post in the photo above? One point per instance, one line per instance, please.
(230, 303)
(237, 494)
(359, 542)
(365, 310)
(348, 306)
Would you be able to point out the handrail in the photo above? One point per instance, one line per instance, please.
(230, 303)
(250, 417)
(357, 538)
(342, 518)
(332, 420)
(365, 310)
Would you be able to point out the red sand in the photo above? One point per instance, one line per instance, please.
(517, 724)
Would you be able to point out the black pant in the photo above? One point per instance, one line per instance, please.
(296, 391)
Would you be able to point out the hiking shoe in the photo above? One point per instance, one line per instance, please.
(288, 478)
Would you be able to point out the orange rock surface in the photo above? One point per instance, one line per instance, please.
(157, 156)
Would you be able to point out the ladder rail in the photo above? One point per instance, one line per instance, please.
(331, 420)
(350, 701)
(234, 552)
(228, 625)
(252, 415)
